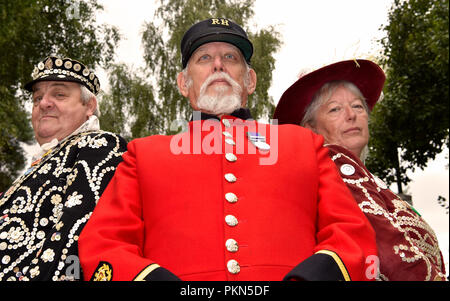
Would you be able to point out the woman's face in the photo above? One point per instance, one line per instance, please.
(343, 120)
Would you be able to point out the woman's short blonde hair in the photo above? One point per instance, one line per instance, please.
(324, 94)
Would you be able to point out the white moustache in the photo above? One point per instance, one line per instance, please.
(221, 76)
(221, 103)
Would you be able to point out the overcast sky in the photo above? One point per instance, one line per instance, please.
(314, 33)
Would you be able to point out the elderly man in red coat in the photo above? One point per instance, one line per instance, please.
(229, 198)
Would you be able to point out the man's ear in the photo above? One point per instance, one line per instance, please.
(252, 79)
(182, 84)
(92, 106)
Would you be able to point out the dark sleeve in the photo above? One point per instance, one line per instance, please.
(95, 157)
(154, 272)
(322, 266)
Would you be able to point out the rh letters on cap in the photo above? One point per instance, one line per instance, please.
(223, 22)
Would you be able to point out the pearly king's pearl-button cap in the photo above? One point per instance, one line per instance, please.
(231, 197)
(231, 245)
(231, 220)
(233, 266)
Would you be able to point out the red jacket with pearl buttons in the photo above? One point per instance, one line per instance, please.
(207, 204)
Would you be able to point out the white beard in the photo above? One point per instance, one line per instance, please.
(220, 103)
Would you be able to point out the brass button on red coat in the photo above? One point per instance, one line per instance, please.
(230, 157)
(231, 220)
(231, 197)
(226, 123)
(230, 141)
(226, 134)
(231, 245)
(230, 178)
(233, 266)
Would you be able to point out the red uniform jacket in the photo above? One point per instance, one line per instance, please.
(207, 205)
(407, 246)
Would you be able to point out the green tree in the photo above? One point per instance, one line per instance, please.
(411, 125)
(30, 31)
(161, 39)
(129, 109)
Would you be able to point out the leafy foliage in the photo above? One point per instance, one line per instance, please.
(30, 31)
(130, 101)
(411, 125)
(161, 39)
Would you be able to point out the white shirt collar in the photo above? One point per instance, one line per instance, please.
(92, 124)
